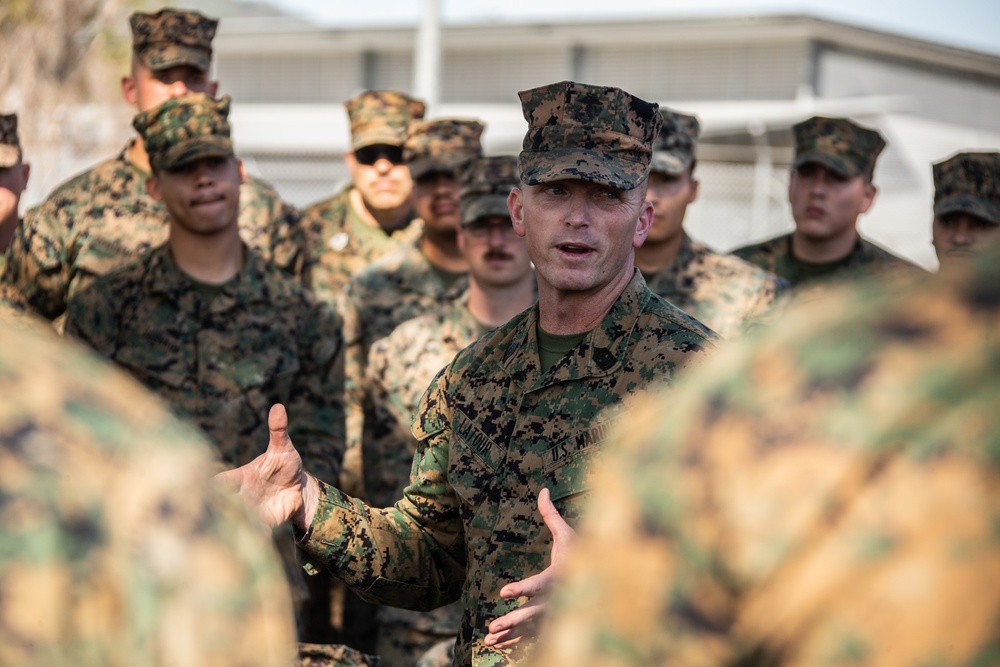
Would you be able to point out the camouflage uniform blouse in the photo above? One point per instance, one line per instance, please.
(103, 219)
(776, 256)
(340, 243)
(397, 287)
(493, 430)
(720, 291)
(223, 364)
(827, 495)
(115, 548)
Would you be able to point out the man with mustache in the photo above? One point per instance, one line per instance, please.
(509, 431)
(830, 187)
(401, 365)
(966, 206)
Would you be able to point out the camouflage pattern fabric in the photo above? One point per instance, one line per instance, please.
(826, 493)
(223, 364)
(340, 243)
(400, 367)
(485, 184)
(10, 143)
(968, 183)
(722, 292)
(172, 37)
(334, 655)
(382, 117)
(493, 430)
(595, 133)
(184, 129)
(397, 287)
(675, 146)
(115, 548)
(103, 219)
(441, 654)
(775, 256)
(443, 144)
(10, 298)
(838, 144)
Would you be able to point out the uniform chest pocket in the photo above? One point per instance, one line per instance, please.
(570, 467)
(474, 461)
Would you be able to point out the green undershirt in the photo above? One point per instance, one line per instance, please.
(552, 347)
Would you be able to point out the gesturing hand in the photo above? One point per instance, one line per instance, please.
(510, 628)
(273, 485)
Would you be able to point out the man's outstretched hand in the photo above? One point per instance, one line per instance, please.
(510, 628)
(273, 485)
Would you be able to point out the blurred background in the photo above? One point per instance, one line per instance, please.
(925, 74)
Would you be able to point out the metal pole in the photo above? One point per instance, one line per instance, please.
(427, 59)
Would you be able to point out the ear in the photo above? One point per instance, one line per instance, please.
(129, 90)
(515, 205)
(213, 89)
(460, 239)
(869, 197)
(695, 189)
(25, 175)
(243, 171)
(643, 224)
(153, 188)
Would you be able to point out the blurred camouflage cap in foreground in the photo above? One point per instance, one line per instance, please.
(382, 117)
(838, 144)
(674, 147)
(10, 144)
(595, 133)
(968, 183)
(442, 145)
(172, 37)
(485, 184)
(184, 129)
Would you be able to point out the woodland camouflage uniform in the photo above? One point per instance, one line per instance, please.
(493, 428)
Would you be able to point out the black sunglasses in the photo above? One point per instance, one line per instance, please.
(369, 155)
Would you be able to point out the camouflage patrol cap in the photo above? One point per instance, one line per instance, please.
(184, 129)
(968, 183)
(838, 144)
(674, 147)
(595, 133)
(172, 37)
(382, 117)
(485, 184)
(443, 144)
(10, 144)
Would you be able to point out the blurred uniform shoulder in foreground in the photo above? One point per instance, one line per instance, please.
(114, 548)
(826, 493)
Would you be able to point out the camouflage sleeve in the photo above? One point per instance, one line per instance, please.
(411, 555)
(38, 263)
(317, 407)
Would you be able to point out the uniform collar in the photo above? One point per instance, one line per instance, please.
(165, 278)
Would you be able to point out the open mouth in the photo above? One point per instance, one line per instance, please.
(574, 249)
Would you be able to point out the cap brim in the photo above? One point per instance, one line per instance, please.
(441, 163)
(980, 207)
(189, 151)
(484, 205)
(668, 163)
(579, 163)
(383, 136)
(174, 55)
(836, 164)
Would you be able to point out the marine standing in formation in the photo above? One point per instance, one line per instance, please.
(721, 291)
(402, 365)
(103, 218)
(431, 272)
(966, 206)
(508, 424)
(374, 212)
(829, 188)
